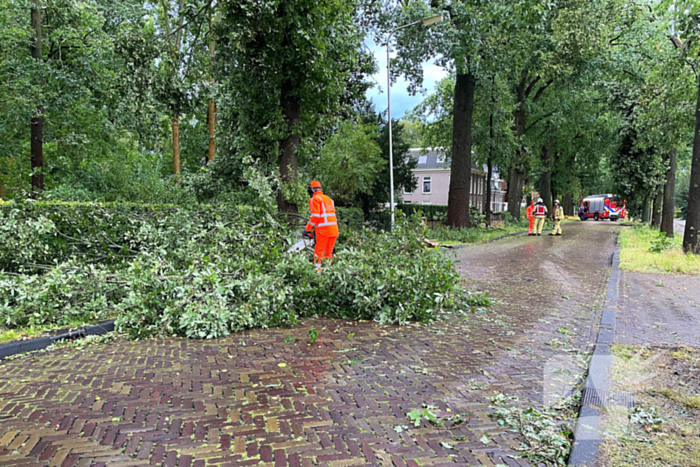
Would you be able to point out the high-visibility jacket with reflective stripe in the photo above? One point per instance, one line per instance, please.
(540, 210)
(559, 213)
(529, 210)
(323, 217)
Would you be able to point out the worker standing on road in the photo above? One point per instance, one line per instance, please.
(323, 223)
(558, 216)
(540, 214)
(530, 218)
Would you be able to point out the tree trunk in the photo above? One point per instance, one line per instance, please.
(176, 145)
(669, 209)
(516, 180)
(2, 192)
(211, 117)
(289, 145)
(568, 204)
(658, 204)
(489, 183)
(546, 179)
(37, 122)
(646, 210)
(461, 168)
(516, 172)
(691, 239)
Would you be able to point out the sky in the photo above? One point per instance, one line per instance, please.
(401, 100)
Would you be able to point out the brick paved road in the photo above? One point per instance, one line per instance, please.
(252, 399)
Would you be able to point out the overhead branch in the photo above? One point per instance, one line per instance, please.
(547, 115)
(531, 86)
(541, 90)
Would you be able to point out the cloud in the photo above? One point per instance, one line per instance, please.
(401, 100)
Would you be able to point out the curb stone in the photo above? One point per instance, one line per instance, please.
(587, 437)
(40, 343)
(506, 236)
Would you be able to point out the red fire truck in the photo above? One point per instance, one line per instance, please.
(600, 207)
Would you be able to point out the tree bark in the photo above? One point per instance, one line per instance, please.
(211, 117)
(489, 182)
(461, 168)
(658, 207)
(646, 210)
(516, 172)
(37, 122)
(669, 209)
(546, 179)
(289, 145)
(691, 238)
(176, 145)
(2, 192)
(568, 204)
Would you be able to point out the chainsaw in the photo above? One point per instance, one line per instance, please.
(301, 245)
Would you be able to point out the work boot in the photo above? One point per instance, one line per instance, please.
(539, 235)
(551, 234)
(557, 234)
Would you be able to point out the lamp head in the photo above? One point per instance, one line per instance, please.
(431, 20)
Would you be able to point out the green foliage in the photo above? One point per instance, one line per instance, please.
(348, 163)
(417, 415)
(548, 432)
(206, 271)
(404, 179)
(312, 334)
(662, 243)
(429, 211)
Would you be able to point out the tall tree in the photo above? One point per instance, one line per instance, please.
(669, 195)
(37, 122)
(288, 69)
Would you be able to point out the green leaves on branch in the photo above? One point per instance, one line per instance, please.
(208, 271)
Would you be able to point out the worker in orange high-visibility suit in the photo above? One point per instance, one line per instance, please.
(323, 223)
(530, 217)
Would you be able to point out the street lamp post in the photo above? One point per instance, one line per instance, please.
(425, 22)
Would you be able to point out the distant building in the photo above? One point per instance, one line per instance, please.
(432, 174)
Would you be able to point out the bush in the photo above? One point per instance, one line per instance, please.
(439, 213)
(430, 212)
(206, 271)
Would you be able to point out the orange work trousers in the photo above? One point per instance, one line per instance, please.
(531, 220)
(323, 251)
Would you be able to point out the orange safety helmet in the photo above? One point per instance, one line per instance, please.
(313, 188)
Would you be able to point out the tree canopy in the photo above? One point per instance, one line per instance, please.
(188, 100)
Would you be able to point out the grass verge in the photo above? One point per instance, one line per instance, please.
(647, 250)
(664, 427)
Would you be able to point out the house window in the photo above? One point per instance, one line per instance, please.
(407, 202)
(406, 191)
(426, 203)
(427, 185)
(422, 159)
(440, 158)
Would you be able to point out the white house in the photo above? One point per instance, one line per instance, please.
(432, 174)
